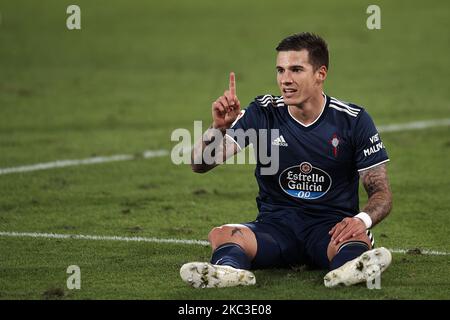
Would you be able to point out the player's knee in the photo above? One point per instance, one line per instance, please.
(228, 233)
(214, 235)
(333, 249)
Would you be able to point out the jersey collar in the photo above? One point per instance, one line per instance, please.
(317, 120)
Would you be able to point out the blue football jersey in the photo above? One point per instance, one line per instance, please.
(318, 163)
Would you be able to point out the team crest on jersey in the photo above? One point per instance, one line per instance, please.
(335, 144)
(305, 181)
(305, 167)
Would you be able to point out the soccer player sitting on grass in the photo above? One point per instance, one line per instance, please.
(309, 208)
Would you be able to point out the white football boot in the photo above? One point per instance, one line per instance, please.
(207, 275)
(362, 269)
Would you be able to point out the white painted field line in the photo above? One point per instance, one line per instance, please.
(94, 160)
(101, 238)
(417, 125)
(158, 240)
(422, 251)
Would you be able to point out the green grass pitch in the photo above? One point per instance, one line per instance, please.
(136, 71)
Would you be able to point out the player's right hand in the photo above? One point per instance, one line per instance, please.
(226, 108)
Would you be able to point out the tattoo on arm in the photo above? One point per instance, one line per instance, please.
(219, 151)
(236, 230)
(376, 183)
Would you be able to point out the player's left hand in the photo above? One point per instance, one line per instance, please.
(346, 229)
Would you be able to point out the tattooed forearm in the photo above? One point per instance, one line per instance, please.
(212, 149)
(376, 183)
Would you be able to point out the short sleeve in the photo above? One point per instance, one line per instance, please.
(245, 127)
(370, 150)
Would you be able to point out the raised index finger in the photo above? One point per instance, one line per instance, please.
(232, 85)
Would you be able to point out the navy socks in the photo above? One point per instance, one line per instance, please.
(348, 251)
(231, 254)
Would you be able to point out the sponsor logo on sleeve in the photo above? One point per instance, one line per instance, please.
(305, 181)
(376, 145)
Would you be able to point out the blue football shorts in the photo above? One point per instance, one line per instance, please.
(289, 238)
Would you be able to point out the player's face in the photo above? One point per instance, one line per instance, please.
(296, 77)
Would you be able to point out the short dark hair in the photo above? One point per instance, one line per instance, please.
(317, 47)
